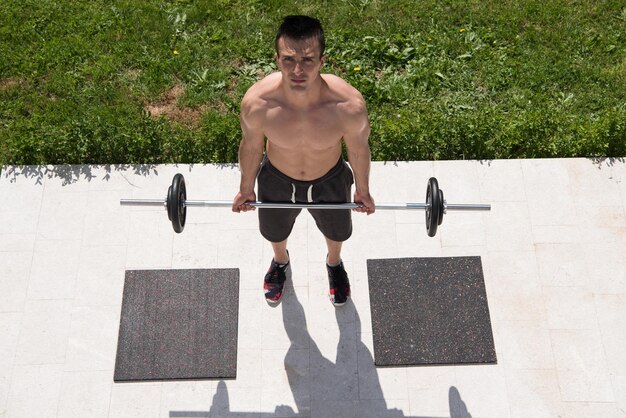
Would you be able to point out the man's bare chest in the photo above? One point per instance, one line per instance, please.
(319, 128)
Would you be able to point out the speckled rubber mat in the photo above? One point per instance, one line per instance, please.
(178, 324)
(428, 311)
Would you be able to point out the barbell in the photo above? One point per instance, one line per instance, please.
(176, 204)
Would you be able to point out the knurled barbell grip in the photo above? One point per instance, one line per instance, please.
(273, 205)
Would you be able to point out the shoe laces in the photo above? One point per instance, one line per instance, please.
(274, 274)
(338, 276)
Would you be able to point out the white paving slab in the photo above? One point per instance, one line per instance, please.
(553, 250)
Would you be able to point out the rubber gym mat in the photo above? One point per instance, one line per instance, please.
(178, 324)
(429, 311)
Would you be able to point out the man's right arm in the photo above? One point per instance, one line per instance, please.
(250, 151)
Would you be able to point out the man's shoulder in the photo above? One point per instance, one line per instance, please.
(350, 100)
(260, 92)
(339, 85)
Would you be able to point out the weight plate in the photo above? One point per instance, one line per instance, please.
(433, 207)
(441, 207)
(177, 200)
(429, 204)
(169, 203)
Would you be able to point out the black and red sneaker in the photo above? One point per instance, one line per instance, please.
(274, 281)
(339, 285)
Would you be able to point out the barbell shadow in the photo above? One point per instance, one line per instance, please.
(321, 391)
(458, 409)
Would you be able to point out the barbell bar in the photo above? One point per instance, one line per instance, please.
(176, 204)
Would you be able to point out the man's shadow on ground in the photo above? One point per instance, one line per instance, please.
(322, 387)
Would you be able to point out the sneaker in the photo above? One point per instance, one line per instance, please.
(339, 284)
(274, 281)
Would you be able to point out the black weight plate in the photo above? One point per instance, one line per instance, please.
(178, 208)
(169, 203)
(433, 208)
(441, 207)
(182, 199)
(428, 208)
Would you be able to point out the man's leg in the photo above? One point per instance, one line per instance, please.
(280, 252)
(334, 252)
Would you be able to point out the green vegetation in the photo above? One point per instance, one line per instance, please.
(160, 81)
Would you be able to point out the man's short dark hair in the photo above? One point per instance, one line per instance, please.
(298, 27)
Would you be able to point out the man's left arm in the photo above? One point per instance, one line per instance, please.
(356, 139)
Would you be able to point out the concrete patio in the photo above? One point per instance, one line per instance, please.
(553, 251)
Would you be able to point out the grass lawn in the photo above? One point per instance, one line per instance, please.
(161, 81)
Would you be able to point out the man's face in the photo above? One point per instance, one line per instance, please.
(299, 61)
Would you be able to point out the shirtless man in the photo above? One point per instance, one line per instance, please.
(299, 118)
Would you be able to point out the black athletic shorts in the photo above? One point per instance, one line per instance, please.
(333, 187)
